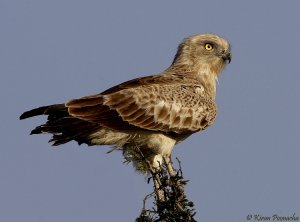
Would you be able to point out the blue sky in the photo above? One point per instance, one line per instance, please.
(54, 51)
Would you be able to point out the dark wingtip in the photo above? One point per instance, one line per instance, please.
(25, 115)
(44, 110)
(37, 130)
(34, 112)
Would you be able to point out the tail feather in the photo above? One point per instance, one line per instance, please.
(63, 127)
(54, 111)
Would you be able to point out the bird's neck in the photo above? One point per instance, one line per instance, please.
(202, 72)
(208, 78)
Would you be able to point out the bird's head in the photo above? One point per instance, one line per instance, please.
(207, 51)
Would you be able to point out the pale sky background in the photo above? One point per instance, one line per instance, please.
(54, 51)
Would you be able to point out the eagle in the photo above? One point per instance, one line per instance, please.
(147, 116)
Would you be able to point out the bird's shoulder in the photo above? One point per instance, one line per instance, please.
(176, 83)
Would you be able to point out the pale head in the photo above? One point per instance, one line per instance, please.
(203, 49)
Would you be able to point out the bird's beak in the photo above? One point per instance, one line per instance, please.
(226, 56)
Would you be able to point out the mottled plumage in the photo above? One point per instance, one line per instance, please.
(146, 117)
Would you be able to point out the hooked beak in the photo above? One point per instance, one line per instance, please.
(226, 56)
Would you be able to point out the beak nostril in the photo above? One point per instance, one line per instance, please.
(226, 55)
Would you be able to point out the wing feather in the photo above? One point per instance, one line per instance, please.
(177, 108)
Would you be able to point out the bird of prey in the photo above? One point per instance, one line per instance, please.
(147, 116)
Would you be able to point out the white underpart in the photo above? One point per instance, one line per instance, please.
(109, 137)
(159, 144)
(163, 146)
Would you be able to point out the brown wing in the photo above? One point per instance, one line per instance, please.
(179, 108)
(147, 80)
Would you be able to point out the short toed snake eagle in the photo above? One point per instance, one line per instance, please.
(147, 116)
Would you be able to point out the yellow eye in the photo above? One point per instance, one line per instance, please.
(208, 46)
